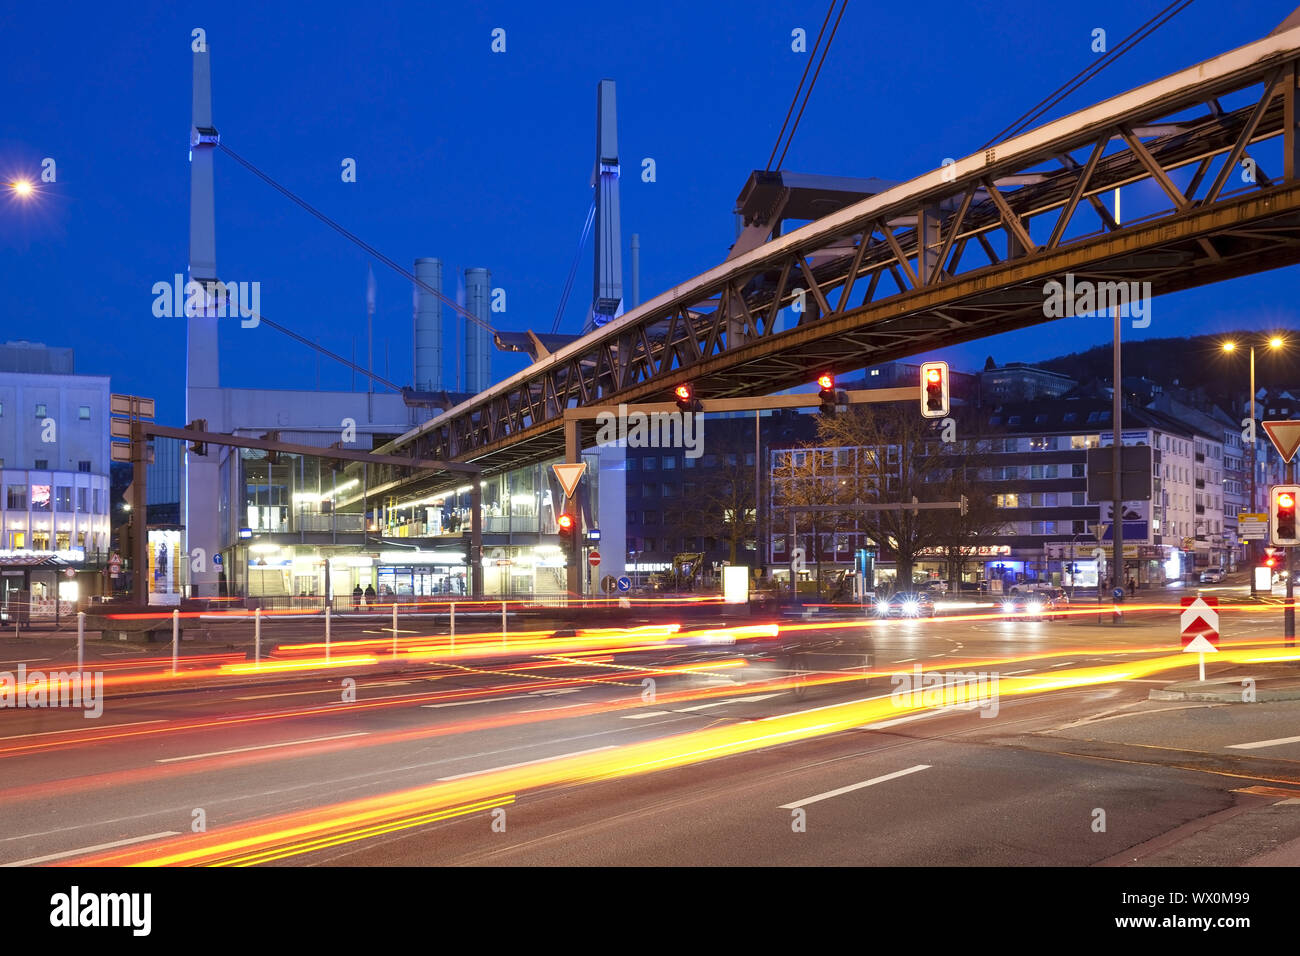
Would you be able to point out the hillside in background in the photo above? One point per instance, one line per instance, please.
(1197, 363)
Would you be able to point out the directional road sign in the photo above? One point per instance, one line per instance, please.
(594, 559)
(1199, 624)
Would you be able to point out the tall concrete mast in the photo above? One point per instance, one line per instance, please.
(202, 375)
(607, 297)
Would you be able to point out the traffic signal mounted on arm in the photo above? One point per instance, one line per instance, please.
(685, 396)
(826, 392)
(198, 425)
(934, 389)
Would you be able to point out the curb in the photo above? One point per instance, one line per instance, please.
(1225, 695)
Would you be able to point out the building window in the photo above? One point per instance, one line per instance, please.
(670, 462)
(1006, 501)
(82, 495)
(17, 498)
(42, 464)
(649, 491)
(631, 464)
(96, 502)
(669, 491)
(84, 466)
(689, 462)
(40, 410)
(650, 544)
(63, 500)
(649, 517)
(83, 413)
(650, 463)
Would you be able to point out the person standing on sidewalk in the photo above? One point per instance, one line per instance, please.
(370, 596)
(356, 597)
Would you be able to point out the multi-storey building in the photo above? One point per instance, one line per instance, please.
(54, 475)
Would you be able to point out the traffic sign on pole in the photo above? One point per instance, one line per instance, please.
(569, 474)
(1200, 619)
(594, 559)
(1200, 629)
(1285, 437)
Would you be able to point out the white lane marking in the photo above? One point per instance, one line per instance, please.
(525, 763)
(906, 660)
(882, 724)
(46, 733)
(729, 700)
(648, 713)
(26, 660)
(92, 849)
(543, 710)
(1014, 673)
(1066, 664)
(325, 690)
(553, 693)
(240, 750)
(813, 710)
(483, 700)
(853, 786)
(1256, 744)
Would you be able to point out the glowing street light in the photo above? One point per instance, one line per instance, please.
(1275, 342)
(22, 187)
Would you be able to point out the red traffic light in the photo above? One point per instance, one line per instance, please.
(683, 393)
(1270, 562)
(1286, 500)
(826, 381)
(565, 523)
(933, 375)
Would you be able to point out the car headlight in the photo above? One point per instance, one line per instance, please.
(1035, 608)
(882, 608)
(911, 608)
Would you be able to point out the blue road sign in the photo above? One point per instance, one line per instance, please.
(625, 583)
(216, 559)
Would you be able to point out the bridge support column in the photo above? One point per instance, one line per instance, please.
(476, 536)
(1290, 151)
(573, 560)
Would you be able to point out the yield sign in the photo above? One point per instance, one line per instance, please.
(569, 476)
(1285, 437)
(1200, 623)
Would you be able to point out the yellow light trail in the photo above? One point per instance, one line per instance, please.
(354, 816)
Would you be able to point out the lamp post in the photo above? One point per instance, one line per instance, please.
(1275, 342)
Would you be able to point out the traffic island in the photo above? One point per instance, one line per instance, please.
(1259, 684)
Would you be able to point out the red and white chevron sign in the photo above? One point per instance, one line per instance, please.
(1200, 624)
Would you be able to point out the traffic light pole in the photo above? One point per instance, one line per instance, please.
(573, 560)
(1288, 615)
(139, 516)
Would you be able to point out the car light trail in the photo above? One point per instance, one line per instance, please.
(354, 819)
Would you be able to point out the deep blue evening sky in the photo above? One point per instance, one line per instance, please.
(483, 159)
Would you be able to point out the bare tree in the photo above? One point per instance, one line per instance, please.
(721, 502)
(807, 476)
(893, 467)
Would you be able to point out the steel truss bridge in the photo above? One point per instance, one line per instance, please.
(958, 253)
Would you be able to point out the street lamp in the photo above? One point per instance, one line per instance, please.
(22, 187)
(1275, 342)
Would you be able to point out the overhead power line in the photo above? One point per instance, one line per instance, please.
(410, 276)
(1092, 70)
(817, 72)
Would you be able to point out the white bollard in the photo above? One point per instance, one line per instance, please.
(453, 625)
(81, 641)
(176, 637)
(327, 633)
(394, 628)
(257, 636)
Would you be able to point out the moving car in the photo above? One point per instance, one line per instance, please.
(1212, 576)
(904, 604)
(1043, 604)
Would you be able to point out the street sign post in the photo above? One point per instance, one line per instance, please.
(569, 476)
(594, 559)
(1199, 628)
